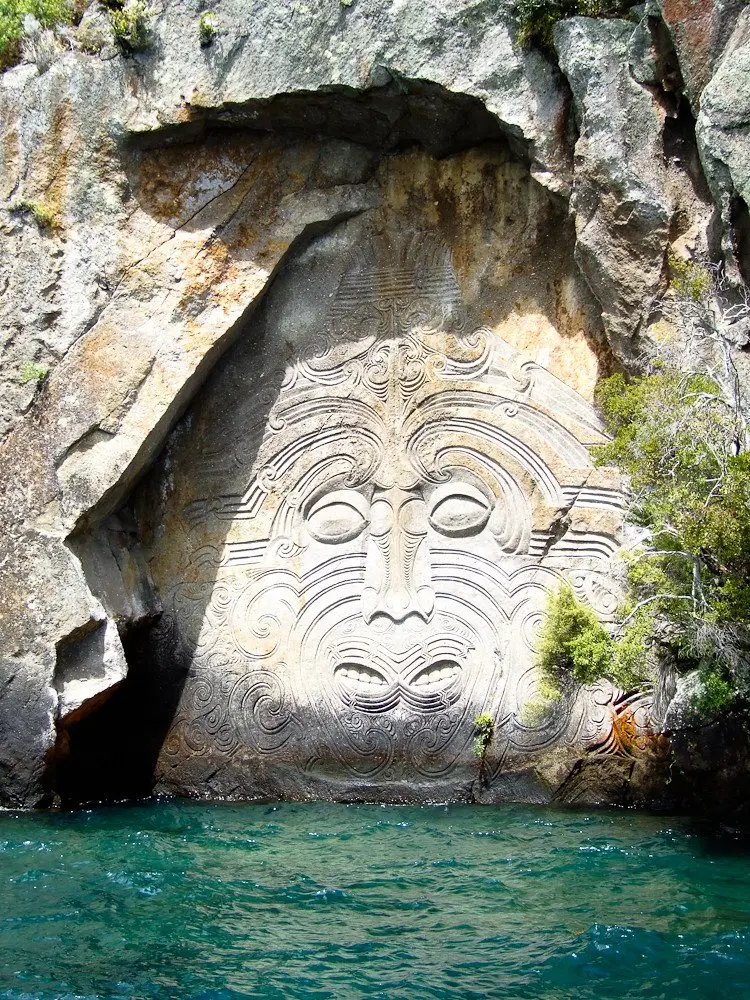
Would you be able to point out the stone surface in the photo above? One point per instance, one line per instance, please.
(723, 131)
(622, 224)
(182, 181)
(700, 29)
(354, 530)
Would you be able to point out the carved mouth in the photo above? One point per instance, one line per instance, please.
(430, 688)
(437, 675)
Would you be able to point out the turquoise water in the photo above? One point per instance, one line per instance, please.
(297, 900)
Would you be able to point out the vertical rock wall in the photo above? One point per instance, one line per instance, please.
(182, 181)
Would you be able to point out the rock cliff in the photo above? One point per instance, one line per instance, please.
(330, 214)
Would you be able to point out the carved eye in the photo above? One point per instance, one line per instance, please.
(459, 510)
(337, 517)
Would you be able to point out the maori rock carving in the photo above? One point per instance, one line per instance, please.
(381, 575)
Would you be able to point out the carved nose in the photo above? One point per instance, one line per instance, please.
(398, 574)
(397, 604)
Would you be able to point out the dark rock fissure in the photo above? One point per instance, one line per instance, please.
(109, 754)
(387, 119)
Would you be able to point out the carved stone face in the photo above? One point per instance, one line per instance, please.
(380, 578)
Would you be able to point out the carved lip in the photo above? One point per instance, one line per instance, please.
(428, 688)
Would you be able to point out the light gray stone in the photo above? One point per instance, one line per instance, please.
(723, 132)
(354, 542)
(621, 201)
(181, 182)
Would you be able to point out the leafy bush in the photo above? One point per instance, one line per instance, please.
(679, 439)
(688, 278)
(573, 642)
(12, 13)
(716, 693)
(485, 726)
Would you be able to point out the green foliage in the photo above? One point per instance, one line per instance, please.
(679, 440)
(206, 28)
(573, 640)
(715, 694)
(12, 12)
(537, 18)
(485, 726)
(131, 22)
(690, 280)
(31, 371)
(44, 215)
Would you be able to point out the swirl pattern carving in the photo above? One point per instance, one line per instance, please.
(375, 573)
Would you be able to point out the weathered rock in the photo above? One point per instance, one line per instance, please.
(354, 529)
(148, 205)
(723, 132)
(621, 201)
(700, 29)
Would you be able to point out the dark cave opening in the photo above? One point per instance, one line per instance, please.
(108, 754)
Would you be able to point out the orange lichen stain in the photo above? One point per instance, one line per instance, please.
(170, 183)
(630, 739)
(204, 273)
(100, 370)
(690, 21)
(569, 357)
(53, 165)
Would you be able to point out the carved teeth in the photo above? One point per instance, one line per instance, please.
(356, 676)
(436, 675)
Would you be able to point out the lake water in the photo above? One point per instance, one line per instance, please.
(314, 900)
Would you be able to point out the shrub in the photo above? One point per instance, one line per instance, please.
(48, 14)
(715, 694)
(31, 371)
(689, 279)
(485, 726)
(206, 28)
(679, 439)
(573, 640)
(131, 22)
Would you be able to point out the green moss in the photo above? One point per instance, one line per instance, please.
(131, 21)
(31, 371)
(44, 215)
(206, 28)
(12, 12)
(537, 18)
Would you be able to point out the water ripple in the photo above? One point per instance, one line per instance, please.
(226, 902)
